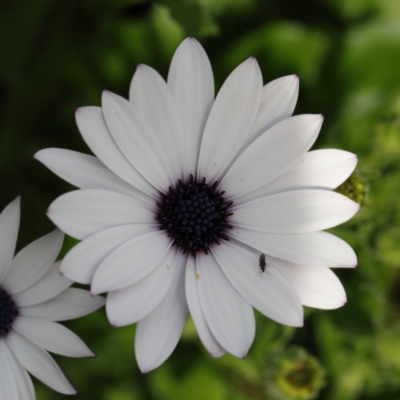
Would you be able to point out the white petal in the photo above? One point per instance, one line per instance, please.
(229, 316)
(150, 94)
(271, 154)
(131, 262)
(139, 143)
(318, 169)
(298, 211)
(70, 304)
(39, 363)
(268, 292)
(192, 297)
(132, 303)
(84, 212)
(8, 379)
(279, 99)
(52, 337)
(86, 172)
(9, 225)
(315, 248)
(158, 334)
(82, 261)
(94, 131)
(191, 82)
(49, 286)
(316, 287)
(230, 120)
(33, 261)
(25, 388)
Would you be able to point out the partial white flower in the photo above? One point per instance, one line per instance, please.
(184, 195)
(33, 295)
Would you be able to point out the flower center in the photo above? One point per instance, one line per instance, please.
(8, 312)
(194, 214)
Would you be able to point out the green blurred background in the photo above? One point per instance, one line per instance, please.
(59, 55)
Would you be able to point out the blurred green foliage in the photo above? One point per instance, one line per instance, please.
(57, 56)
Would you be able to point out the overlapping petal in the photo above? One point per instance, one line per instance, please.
(279, 99)
(230, 120)
(318, 169)
(271, 154)
(193, 300)
(39, 363)
(129, 305)
(297, 211)
(70, 304)
(24, 383)
(52, 337)
(316, 248)
(191, 82)
(82, 261)
(158, 334)
(94, 131)
(33, 261)
(150, 95)
(49, 286)
(131, 262)
(138, 141)
(8, 382)
(269, 292)
(82, 213)
(86, 172)
(229, 316)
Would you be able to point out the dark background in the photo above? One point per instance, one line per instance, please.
(60, 55)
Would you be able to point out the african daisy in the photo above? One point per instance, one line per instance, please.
(32, 296)
(187, 192)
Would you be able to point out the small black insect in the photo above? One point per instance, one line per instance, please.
(262, 263)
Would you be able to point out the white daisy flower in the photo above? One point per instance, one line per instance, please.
(187, 192)
(33, 295)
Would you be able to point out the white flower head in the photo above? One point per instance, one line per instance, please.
(185, 194)
(33, 295)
